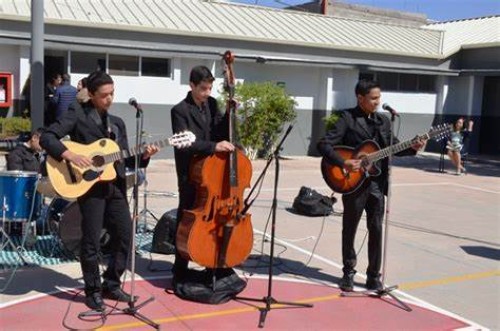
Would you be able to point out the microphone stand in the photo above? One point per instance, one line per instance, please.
(386, 290)
(269, 300)
(133, 309)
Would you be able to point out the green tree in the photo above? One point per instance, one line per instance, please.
(264, 108)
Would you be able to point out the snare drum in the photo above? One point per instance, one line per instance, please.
(17, 191)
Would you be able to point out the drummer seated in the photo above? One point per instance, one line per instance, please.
(26, 156)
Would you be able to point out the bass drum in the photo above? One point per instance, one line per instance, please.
(65, 220)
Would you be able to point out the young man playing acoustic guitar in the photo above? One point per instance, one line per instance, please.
(353, 127)
(106, 202)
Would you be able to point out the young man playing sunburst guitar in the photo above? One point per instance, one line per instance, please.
(105, 203)
(355, 126)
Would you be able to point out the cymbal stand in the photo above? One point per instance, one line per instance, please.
(143, 214)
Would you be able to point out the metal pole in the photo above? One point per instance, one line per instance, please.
(37, 65)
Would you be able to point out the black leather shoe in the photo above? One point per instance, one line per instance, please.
(346, 283)
(94, 301)
(374, 284)
(117, 295)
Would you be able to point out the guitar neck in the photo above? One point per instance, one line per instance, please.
(385, 152)
(123, 154)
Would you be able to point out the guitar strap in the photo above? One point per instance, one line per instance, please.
(105, 126)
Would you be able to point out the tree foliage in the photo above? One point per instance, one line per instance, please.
(263, 109)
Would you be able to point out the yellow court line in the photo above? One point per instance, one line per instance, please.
(405, 286)
(218, 313)
(449, 280)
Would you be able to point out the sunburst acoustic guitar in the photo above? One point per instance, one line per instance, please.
(342, 181)
(70, 181)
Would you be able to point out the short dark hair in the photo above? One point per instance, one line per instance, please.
(364, 86)
(97, 79)
(200, 74)
(84, 81)
(27, 135)
(66, 77)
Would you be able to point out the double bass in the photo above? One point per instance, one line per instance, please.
(217, 232)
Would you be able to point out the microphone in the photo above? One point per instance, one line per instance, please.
(391, 110)
(133, 103)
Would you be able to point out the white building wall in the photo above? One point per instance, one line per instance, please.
(344, 81)
(411, 103)
(9, 63)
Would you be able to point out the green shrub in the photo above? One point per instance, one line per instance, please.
(12, 126)
(263, 110)
(331, 120)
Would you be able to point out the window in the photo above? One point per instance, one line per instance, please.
(123, 65)
(366, 76)
(85, 63)
(393, 81)
(388, 80)
(426, 83)
(155, 67)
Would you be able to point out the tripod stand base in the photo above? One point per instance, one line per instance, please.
(132, 310)
(379, 294)
(272, 301)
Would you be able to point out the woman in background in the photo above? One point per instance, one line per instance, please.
(455, 144)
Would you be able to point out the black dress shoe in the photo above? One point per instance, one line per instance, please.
(346, 283)
(374, 284)
(94, 301)
(118, 295)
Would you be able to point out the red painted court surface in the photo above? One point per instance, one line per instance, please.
(59, 311)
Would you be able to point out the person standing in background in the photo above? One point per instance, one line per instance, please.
(64, 96)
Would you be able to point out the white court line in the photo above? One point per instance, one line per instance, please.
(414, 300)
(475, 188)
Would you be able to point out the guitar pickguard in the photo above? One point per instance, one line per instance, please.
(90, 175)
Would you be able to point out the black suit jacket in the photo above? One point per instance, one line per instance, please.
(187, 116)
(351, 130)
(82, 123)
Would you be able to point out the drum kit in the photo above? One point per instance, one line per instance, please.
(31, 206)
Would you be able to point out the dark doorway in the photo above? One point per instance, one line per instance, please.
(490, 117)
(54, 65)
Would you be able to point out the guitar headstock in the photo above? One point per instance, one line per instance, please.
(440, 131)
(182, 140)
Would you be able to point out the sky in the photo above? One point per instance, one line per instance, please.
(438, 10)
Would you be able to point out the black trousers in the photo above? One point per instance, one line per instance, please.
(369, 198)
(104, 205)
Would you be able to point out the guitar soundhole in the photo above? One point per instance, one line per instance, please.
(98, 161)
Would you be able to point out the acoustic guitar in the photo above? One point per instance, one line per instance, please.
(71, 181)
(343, 181)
